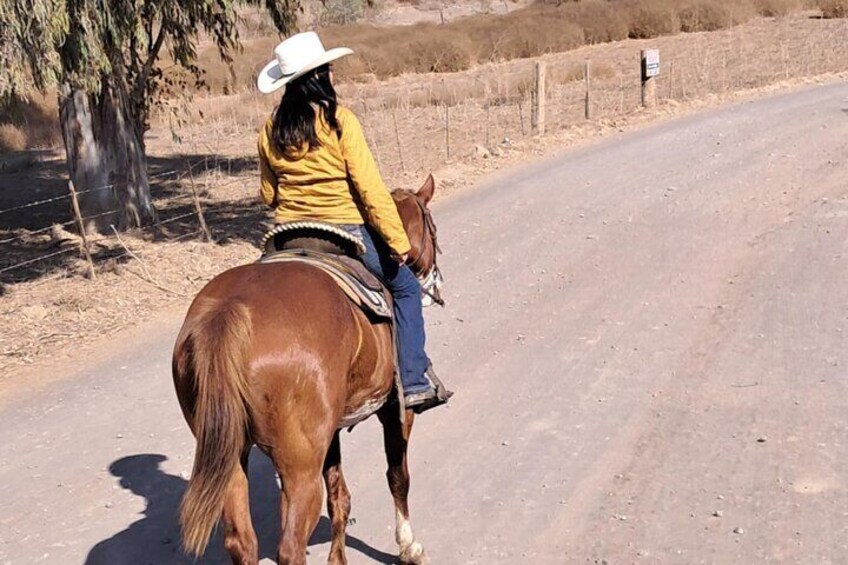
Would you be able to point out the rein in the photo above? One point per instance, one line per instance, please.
(428, 280)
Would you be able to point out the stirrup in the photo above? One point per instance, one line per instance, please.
(437, 395)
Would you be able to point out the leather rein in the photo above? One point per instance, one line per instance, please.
(428, 229)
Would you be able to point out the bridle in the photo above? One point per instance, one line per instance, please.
(431, 279)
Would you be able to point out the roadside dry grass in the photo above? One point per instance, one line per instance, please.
(489, 118)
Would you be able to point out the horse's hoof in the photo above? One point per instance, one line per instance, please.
(414, 555)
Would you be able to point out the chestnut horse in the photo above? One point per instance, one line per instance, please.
(275, 355)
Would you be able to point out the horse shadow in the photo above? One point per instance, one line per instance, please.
(155, 539)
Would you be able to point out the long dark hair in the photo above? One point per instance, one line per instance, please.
(294, 119)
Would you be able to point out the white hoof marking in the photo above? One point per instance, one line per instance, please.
(411, 551)
(414, 555)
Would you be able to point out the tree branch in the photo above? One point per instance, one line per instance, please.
(152, 55)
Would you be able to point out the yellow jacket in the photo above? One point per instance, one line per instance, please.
(337, 183)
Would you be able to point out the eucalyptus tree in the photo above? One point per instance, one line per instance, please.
(105, 60)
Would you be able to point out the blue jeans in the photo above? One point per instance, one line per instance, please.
(409, 318)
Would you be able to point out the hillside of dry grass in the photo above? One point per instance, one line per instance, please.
(545, 27)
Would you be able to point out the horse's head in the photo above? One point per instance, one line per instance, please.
(421, 230)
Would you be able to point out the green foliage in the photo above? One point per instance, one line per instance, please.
(29, 34)
(341, 12)
(83, 44)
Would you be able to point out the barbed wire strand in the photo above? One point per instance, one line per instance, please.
(37, 259)
(183, 172)
(36, 232)
(173, 219)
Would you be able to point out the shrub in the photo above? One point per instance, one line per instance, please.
(834, 8)
(531, 35)
(12, 138)
(704, 16)
(600, 20)
(341, 12)
(776, 8)
(26, 124)
(650, 18)
(440, 55)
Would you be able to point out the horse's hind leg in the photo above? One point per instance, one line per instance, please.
(338, 502)
(300, 502)
(239, 535)
(395, 439)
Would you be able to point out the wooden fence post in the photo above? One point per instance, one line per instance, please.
(521, 117)
(78, 216)
(207, 235)
(537, 122)
(587, 79)
(649, 83)
(671, 80)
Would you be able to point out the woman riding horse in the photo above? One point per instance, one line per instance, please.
(275, 354)
(316, 165)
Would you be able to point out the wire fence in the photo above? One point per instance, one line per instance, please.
(419, 129)
(32, 248)
(456, 117)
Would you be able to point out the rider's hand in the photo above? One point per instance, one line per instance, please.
(402, 259)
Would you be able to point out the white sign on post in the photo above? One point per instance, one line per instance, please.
(651, 64)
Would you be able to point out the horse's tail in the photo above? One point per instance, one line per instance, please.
(216, 341)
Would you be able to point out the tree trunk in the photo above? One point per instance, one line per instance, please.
(105, 156)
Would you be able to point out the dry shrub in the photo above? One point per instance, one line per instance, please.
(386, 52)
(28, 124)
(650, 18)
(776, 8)
(12, 138)
(704, 15)
(255, 54)
(600, 20)
(446, 52)
(422, 48)
(834, 8)
(531, 34)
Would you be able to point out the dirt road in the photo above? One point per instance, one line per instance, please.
(648, 342)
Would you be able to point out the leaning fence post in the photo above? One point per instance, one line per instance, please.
(538, 116)
(78, 217)
(207, 235)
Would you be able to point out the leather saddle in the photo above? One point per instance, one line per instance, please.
(334, 251)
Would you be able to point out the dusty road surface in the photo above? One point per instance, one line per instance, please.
(648, 339)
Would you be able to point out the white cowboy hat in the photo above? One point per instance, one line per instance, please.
(295, 57)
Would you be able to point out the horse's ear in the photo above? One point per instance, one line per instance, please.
(427, 189)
